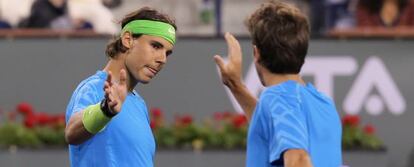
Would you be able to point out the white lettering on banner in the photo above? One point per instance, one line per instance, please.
(373, 74)
(323, 69)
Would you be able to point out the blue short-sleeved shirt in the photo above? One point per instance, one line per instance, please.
(126, 141)
(293, 116)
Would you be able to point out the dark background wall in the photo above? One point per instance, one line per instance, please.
(44, 72)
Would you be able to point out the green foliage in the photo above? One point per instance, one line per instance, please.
(18, 135)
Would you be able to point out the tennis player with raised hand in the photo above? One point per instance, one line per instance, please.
(292, 124)
(107, 121)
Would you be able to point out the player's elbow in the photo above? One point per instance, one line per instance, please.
(70, 136)
(297, 158)
(75, 133)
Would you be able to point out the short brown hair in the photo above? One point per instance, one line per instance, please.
(281, 34)
(146, 13)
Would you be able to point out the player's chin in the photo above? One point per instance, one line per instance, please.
(145, 80)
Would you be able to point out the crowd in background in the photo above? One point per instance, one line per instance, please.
(99, 16)
(348, 14)
(59, 14)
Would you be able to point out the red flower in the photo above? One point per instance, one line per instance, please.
(184, 120)
(352, 120)
(25, 108)
(369, 129)
(43, 118)
(239, 120)
(30, 121)
(58, 119)
(156, 112)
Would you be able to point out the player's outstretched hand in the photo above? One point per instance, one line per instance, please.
(116, 92)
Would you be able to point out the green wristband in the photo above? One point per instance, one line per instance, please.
(93, 119)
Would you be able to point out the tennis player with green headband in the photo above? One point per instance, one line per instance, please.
(107, 121)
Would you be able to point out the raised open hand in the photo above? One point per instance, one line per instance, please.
(231, 71)
(116, 92)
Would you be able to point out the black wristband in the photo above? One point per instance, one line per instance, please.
(106, 110)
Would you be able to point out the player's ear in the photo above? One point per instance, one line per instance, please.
(256, 53)
(126, 39)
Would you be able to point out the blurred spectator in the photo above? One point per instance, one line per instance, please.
(14, 11)
(339, 14)
(331, 14)
(385, 13)
(48, 14)
(94, 12)
(4, 25)
(317, 17)
(112, 3)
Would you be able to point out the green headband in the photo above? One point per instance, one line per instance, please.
(154, 28)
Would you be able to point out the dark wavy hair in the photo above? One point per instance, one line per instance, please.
(281, 34)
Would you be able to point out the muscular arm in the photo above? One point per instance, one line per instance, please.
(75, 132)
(115, 94)
(296, 158)
(246, 100)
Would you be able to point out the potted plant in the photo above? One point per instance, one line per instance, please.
(360, 144)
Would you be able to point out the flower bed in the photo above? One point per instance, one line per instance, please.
(29, 129)
(224, 130)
